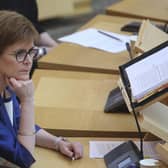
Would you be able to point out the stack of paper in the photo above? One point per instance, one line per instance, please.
(99, 39)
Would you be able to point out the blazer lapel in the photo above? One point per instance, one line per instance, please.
(4, 117)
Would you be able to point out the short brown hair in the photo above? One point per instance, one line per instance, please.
(14, 28)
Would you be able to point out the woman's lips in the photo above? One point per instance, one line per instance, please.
(25, 71)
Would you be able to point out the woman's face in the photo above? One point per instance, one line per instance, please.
(10, 67)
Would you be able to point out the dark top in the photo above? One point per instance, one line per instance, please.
(28, 8)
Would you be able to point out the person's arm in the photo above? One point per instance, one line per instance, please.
(67, 148)
(25, 92)
(26, 134)
(45, 43)
(46, 40)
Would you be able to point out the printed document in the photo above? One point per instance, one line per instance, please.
(99, 39)
(148, 75)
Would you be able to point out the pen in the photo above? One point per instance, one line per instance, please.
(109, 35)
(129, 50)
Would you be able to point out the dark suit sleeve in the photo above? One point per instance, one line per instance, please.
(28, 8)
(12, 150)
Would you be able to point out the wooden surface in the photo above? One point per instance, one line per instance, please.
(144, 9)
(72, 104)
(47, 158)
(109, 23)
(162, 149)
(149, 36)
(69, 56)
(51, 9)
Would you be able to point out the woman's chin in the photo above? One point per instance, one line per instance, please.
(23, 77)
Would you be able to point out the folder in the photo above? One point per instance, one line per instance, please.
(152, 114)
(139, 98)
(149, 36)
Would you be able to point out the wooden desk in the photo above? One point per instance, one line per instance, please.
(52, 9)
(144, 9)
(74, 57)
(47, 158)
(72, 103)
(109, 23)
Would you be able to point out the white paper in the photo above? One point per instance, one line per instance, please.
(94, 39)
(97, 149)
(148, 74)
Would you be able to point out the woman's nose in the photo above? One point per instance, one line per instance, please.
(28, 59)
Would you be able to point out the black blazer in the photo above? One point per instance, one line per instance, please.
(28, 8)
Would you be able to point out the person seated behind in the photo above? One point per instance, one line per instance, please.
(29, 9)
(19, 134)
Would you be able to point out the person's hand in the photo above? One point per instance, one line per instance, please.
(23, 89)
(73, 150)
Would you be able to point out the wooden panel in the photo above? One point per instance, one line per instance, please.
(56, 8)
(74, 57)
(144, 9)
(69, 56)
(162, 150)
(74, 101)
(48, 158)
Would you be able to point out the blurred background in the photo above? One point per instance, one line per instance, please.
(64, 17)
